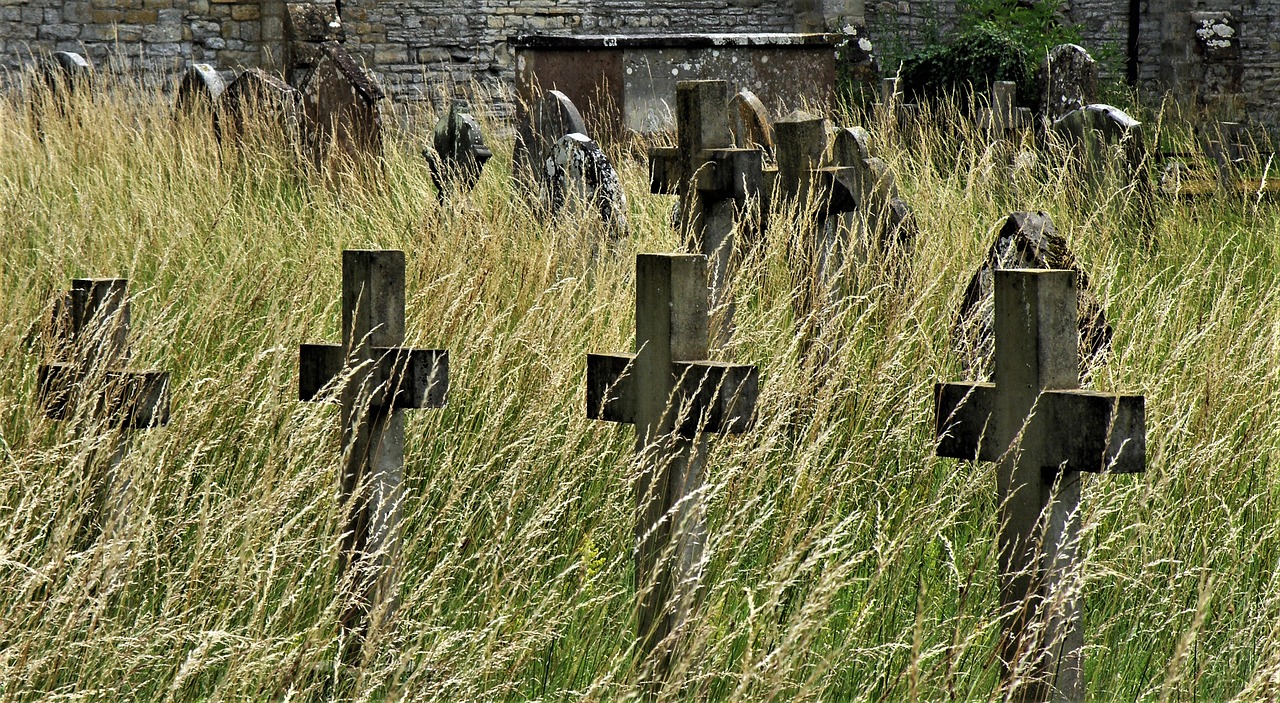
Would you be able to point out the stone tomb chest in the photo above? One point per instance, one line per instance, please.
(629, 81)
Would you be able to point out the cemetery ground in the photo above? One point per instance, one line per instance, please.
(845, 560)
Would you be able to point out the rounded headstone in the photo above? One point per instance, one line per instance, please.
(550, 117)
(850, 147)
(201, 85)
(67, 71)
(578, 171)
(749, 122)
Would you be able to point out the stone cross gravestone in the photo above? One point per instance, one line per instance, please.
(457, 154)
(715, 182)
(675, 399)
(260, 104)
(800, 143)
(340, 104)
(375, 379)
(543, 124)
(1027, 240)
(89, 379)
(199, 89)
(1043, 431)
(1068, 80)
(577, 171)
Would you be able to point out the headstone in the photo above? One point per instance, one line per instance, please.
(715, 182)
(578, 171)
(340, 103)
(1225, 143)
(307, 27)
(801, 144)
(258, 103)
(457, 153)
(1106, 137)
(880, 207)
(750, 124)
(1043, 431)
(376, 380)
(675, 399)
(199, 90)
(1028, 240)
(64, 74)
(1068, 80)
(1005, 117)
(89, 379)
(551, 117)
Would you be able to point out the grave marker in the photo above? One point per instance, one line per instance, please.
(340, 103)
(199, 90)
(257, 103)
(66, 72)
(551, 117)
(577, 171)
(714, 180)
(674, 398)
(1043, 431)
(1097, 130)
(1005, 117)
(750, 124)
(89, 378)
(457, 153)
(1027, 240)
(307, 27)
(377, 379)
(1068, 80)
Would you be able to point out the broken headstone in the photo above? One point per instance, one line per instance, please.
(257, 103)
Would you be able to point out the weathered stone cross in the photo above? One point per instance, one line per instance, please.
(376, 380)
(92, 347)
(89, 375)
(1043, 430)
(674, 398)
(713, 179)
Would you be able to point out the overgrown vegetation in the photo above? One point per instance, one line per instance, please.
(846, 561)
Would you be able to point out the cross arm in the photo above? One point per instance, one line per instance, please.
(721, 397)
(133, 399)
(962, 421)
(610, 388)
(736, 173)
(1091, 431)
(419, 377)
(665, 171)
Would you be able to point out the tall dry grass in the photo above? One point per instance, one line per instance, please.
(846, 562)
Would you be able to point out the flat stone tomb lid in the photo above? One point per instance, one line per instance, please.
(747, 39)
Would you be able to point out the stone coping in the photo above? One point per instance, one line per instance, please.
(681, 41)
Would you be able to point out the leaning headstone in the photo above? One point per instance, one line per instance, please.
(1106, 138)
(199, 90)
(675, 399)
(578, 172)
(307, 27)
(457, 153)
(1028, 240)
(882, 211)
(89, 379)
(715, 181)
(1068, 80)
(545, 122)
(376, 380)
(340, 104)
(1042, 431)
(258, 103)
(750, 124)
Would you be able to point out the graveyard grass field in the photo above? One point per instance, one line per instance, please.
(846, 561)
